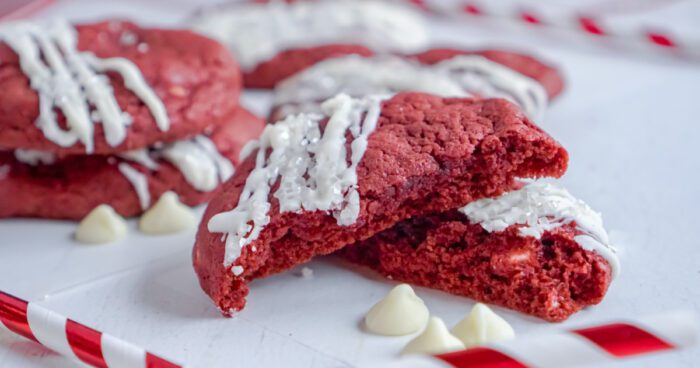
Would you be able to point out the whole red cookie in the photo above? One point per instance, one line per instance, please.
(194, 78)
(548, 76)
(273, 40)
(358, 171)
(36, 184)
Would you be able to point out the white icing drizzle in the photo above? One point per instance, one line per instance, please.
(359, 76)
(310, 166)
(140, 183)
(199, 161)
(247, 149)
(34, 157)
(540, 207)
(140, 156)
(68, 79)
(488, 78)
(277, 26)
(456, 77)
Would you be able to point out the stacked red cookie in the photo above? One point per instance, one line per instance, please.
(112, 113)
(417, 165)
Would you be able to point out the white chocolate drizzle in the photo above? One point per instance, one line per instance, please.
(310, 165)
(139, 182)
(539, 207)
(487, 78)
(34, 157)
(277, 26)
(74, 82)
(359, 76)
(197, 159)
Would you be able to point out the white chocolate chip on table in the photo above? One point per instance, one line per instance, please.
(482, 325)
(401, 312)
(168, 216)
(435, 339)
(101, 225)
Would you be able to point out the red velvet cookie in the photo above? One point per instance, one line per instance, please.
(546, 262)
(275, 40)
(548, 76)
(40, 184)
(319, 182)
(125, 87)
(287, 63)
(457, 74)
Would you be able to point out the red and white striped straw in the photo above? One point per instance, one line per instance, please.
(640, 37)
(585, 346)
(21, 9)
(72, 339)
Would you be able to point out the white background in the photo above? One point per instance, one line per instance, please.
(631, 123)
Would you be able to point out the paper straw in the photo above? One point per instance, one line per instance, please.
(584, 346)
(26, 10)
(72, 339)
(641, 37)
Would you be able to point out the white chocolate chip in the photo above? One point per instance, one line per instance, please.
(401, 312)
(435, 339)
(101, 225)
(481, 326)
(167, 216)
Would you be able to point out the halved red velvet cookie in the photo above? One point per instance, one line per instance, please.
(318, 182)
(537, 250)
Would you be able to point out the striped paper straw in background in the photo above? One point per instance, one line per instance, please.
(591, 346)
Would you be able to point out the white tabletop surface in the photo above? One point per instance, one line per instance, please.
(630, 121)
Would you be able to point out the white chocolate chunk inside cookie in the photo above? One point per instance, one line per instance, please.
(401, 312)
(481, 326)
(435, 339)
(167, 216)
(101, 225)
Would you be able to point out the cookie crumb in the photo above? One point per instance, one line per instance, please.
(307, 273)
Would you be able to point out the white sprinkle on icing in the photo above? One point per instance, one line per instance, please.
(311, 167)
(140, 183)
(277, 26)
(359, 76)
(487, 78)
(67, 79)
(34, 157)
(540, 207)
